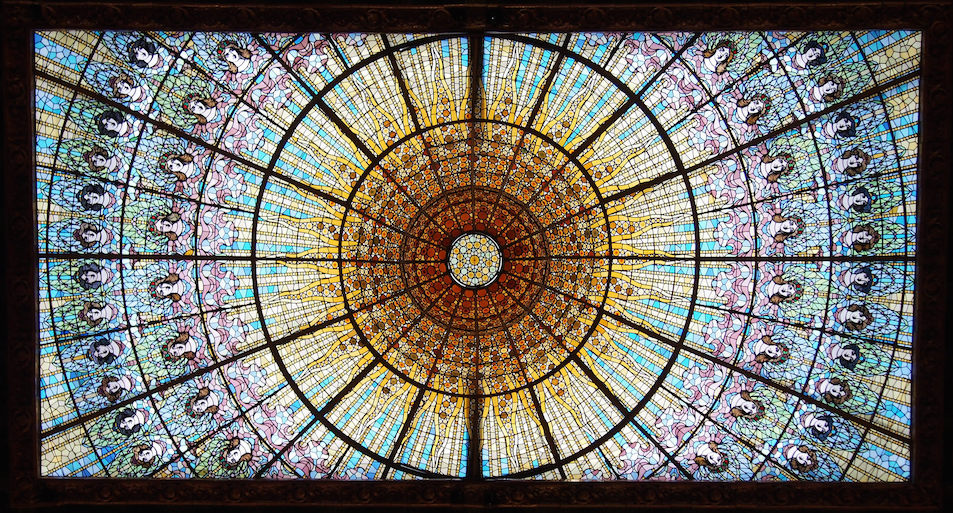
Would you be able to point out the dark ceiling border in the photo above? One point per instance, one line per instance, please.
(469, 15)
(932, 454)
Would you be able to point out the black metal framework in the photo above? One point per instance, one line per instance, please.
(922, 493)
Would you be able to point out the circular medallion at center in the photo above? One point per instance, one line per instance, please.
(475, 260)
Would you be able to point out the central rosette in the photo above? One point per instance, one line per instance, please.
(475, 260)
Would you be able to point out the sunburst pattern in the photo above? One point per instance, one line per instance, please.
(550, 256)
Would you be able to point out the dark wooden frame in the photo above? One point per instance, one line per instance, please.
(926, 490)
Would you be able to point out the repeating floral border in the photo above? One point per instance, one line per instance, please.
(924, 492)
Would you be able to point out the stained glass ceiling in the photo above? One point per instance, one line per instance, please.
(599, 256)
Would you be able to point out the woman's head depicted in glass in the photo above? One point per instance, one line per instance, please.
(127, 422)
(89, 276)
(141, 53)
(845, 125)
(92, 197)
(803, 459)
(112, 388)
(177, 165)
(204, 109)
(860, 200)
(122, 86)
(829, 88)
(93, 313)
(718, 58)
(820, 426)
(849, 356)
(773, 167)
(835, 390)
(235, 56)
(169, 287)
(178, 346)
(781, 289)
(863, 237)
(167, 225)
(813, 53)
(853, 162)
(235, 452)
(110, 123)
(144, 455)
(203, 402)
(862, 280)
(101, 352)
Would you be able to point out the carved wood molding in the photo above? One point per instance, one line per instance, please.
(552, 16)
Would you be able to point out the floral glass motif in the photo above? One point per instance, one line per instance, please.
(475, 260)
(587, 256)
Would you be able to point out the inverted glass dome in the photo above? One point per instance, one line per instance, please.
(589, 256)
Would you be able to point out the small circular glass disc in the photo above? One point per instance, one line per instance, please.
(475, 260)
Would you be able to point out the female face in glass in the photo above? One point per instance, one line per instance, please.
(854, 161)
(721, 54)
(849, 355)
(113, 387)
(147, 455)
(788, 226)
(102, 351)
(861, 278)
(200, 405)
(231, 55)
(129, 422)
(776, 165)
(90, 277)
(177, 349)
(233, 456)
(855, 316)
(863, 237)
(98, 160)
(835, 390)
(859, 199)
(90, 235)
(94, 198)
(812, 53)
(828, 87)
(773, 351)
(843, 124)
(165, 289)
(125, 88)
(175, 165)
(143, 55)
(802, 457)
(200, 109)
(749, 407)
(96, 313)
(786, 290)
(165, 226)
(112, 125)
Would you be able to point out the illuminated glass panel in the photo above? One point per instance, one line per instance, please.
(549, 256)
